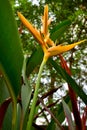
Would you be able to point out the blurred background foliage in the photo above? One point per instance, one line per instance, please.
(59, 10)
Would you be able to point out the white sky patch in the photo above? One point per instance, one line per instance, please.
(42, 121)
(35, 2)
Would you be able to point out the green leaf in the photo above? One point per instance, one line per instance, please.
(68, 115)
(8, 118)
(70, 81)
(26, 91)
(34, 60)
(3, 109)
(58, 30)
(3, 90)
(59, 113)
(51, 125)
(11, 57)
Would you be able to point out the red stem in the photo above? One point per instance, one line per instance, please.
(73, 98)
(76, 113)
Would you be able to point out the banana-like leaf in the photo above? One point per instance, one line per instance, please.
(11, 56)
(68, 115)
(58, 30)
(4, 95)
(3, 109)
(8, 119)
(70, 81)
(26, 91)
(34, 60)
(51, 125)
(59, 113)
(3, 90)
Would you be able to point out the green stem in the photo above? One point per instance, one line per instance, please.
(14, 116)
(31, 115)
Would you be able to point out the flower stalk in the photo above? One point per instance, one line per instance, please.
(31, 115)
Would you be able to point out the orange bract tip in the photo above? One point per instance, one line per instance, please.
(61, 49)
(30, 27)
(45, 20)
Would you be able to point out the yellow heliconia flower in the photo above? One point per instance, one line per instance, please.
(43, 36)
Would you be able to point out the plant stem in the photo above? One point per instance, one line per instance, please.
(31, 115)
(76, 112)
(14, 116)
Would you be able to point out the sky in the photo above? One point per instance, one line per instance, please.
(35, 2)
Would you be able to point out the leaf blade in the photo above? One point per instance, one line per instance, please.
(34, 60)
(11, 56)
(70, 81)
(58, 30)
(68, 115)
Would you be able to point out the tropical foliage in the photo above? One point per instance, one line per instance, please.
(42, 86)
